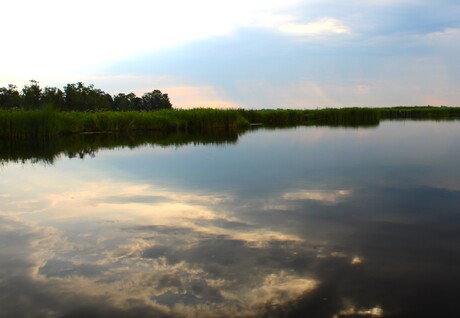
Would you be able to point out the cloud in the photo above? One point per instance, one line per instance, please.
(229, 54)
(356, 260)
(374, 312)
(283, 287)
(445, 50)
(187, 246)
(197, 96)
(289, 24)
(25, 245)
(327, 197)
(218, 251)
(446, 34)
(263, 67)
(98, 284)
(322, 26)
(78, 40)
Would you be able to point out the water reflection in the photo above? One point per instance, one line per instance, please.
(48, 150)
(304, 222)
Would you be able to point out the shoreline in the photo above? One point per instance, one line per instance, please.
(50, 123)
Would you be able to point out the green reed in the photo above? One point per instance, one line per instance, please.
(47, 123)
(20, 123)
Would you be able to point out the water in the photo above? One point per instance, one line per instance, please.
(312, 221)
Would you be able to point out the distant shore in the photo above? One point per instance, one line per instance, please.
(48, 123)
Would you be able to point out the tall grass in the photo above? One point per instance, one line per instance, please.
(20, 123)
(46, 123)
(328, 116)
(425, 112)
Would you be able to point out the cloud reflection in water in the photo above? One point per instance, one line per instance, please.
(160, 234)
(190, 258)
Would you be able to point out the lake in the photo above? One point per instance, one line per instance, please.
(307, 221)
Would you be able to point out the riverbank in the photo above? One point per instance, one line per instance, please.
(47, 123)
(20, 123)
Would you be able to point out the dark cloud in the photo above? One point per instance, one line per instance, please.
(63, 268)
(98, 311)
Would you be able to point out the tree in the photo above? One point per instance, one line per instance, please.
(9, 97)
(97, 99)
(53, 97)
(74, 97)
(31, 96)
(135, 102)
(121, 102)
(130, 102)
(79, 97)
(155, 100)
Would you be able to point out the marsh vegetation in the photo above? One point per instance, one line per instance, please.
(37, 112)
(47, 122)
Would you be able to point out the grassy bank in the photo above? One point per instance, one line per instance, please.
(47, 123)
(20, 123)
(427, 112)
(328, 116)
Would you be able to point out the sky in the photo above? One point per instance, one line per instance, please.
(250, 54)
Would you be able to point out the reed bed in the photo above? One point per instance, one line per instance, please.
(47, 123)
(21, 123)
(328, 116)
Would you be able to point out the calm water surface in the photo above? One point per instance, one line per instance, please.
(305, 222)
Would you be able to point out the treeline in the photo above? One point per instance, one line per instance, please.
(78, 97)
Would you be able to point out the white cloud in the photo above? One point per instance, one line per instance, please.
(57, 42)
(125, 275)
(290, 24)
(320, 26)
(52, 38)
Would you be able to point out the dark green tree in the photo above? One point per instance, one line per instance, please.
(121, 102)
(155, 100)
(96, 99)
(74, 97)
(53, 97)
(31, 96)
(9, 97)
(135, 102)
(79, 97)
(130, 102)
